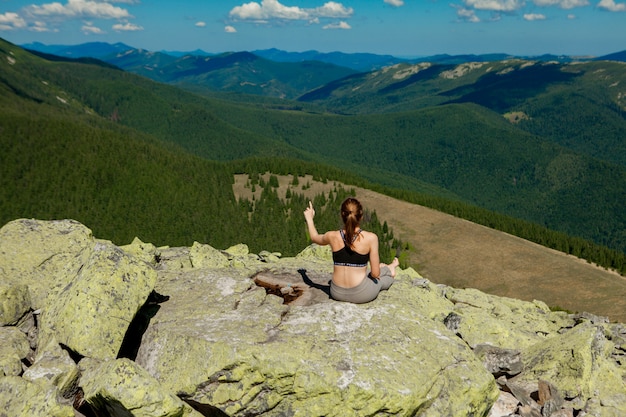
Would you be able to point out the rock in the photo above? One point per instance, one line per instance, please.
(206, 256)
(21, 398)
(245, 352)
(505, 405)
(14, 303)
(503, 322)
(91, 314)
(56, 368)
(166, 331)
(579, 364)
(146, 252)
(500, 361)
(119, 388)
(43, 255)
(14, 347)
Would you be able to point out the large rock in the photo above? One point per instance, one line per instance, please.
(14, 347)
(92, 313)
(44, 255)
(14, 302)
(119, 388)
(222, 340)
(21, 398)
(246, 334)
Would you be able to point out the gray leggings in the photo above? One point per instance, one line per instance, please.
(366, 291)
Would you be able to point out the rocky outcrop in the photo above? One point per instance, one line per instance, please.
(90, 328)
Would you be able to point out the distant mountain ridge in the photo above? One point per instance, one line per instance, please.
(356, 61)
(268, 73)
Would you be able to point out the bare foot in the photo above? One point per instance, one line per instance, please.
(392, 266)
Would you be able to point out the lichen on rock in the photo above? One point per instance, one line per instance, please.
(189, 331)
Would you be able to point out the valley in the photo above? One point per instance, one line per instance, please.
(452, 152)
(452, 251)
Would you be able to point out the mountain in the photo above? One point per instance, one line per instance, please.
(451, 146)
(196, 52)
(617, 56)
(86, 50)
(357, 61)
(240, 72)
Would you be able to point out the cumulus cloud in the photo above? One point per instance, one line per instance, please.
(269, 10)
(89, 29)
(200, 24)
(495, 5)
(230, 29)
(611, 6)
(338, 25)
(40, 26)
(11, 21)
(563, 4)
(79, 9)
(534, 16)
(467, 15)
(395, 3)
(126, 27)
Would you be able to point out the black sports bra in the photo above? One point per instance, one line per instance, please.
(347, 257)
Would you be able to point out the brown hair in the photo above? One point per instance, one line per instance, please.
(351, 214)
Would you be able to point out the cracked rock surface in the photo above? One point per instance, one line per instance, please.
(94, 329)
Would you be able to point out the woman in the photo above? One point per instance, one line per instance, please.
(352, 248)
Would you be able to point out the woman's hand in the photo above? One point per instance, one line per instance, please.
(309, 213)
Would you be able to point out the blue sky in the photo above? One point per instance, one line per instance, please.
(396, 27)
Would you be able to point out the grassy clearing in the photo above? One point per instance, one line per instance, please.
(455, 252)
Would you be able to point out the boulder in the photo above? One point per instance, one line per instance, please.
(44, 255)
(222, 340)
(14, 302)
(120, 388)
(91, 314)
(14, 347)
(21, 398)
(579, 363)
(140, 330)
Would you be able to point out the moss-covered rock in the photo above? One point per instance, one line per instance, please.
(234, 333)
(120, 388)
(502, 321)
(14, 347)
(221, 340)
(14, 302)
(44, 255)
(21, 398)
(91, 314)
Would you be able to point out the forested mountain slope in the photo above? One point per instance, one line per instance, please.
(461, 151)
(241, 72)
(62, 159)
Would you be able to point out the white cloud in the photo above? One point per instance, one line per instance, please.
(534, 16)
(395, 3)
(611, 6)
(41, 27)
(563, 4)
(467, 15)
(338, 25)
(126, 27)
(10, 21)
(79, 9)
(495, 5)
(89, 29)
(200, 24)
(230, 29)
(269, 10)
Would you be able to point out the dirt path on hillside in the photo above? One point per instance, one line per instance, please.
(456, 252)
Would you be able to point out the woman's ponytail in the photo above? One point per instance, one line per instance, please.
(351, 214)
